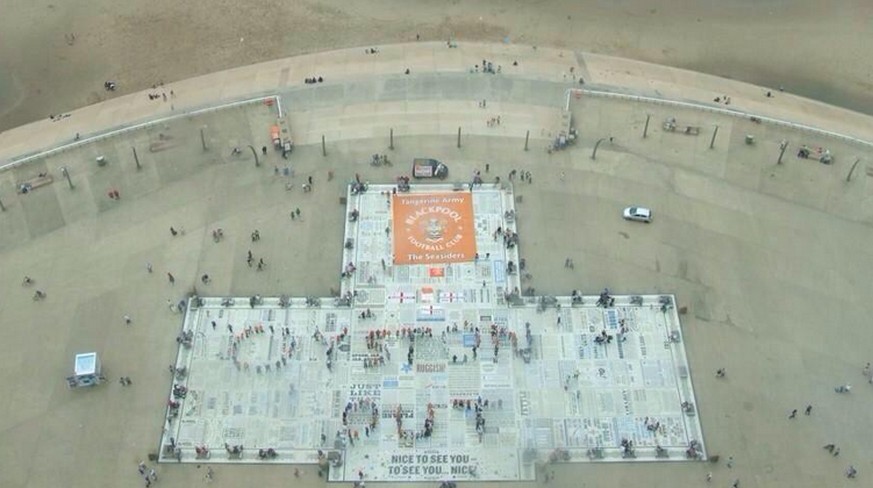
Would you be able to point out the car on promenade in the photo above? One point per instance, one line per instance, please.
(638, 214)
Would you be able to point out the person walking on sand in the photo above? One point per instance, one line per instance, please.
(171, 278)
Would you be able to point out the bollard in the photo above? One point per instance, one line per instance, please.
(203, 139)
(459, 137)
(391, 140)
(136, 158)
(526, 140)
(323, 147)
(714, 133)
(646, 128)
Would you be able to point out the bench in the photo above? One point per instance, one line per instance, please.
(33, 183)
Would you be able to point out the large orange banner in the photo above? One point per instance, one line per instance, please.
(433, 228)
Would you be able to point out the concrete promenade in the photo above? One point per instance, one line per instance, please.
(350, 65)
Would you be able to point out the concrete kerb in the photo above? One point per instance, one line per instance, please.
(182, 360)
(199, 110)
(722, 111)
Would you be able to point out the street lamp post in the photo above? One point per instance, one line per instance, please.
(848, 176)
(712, 141)
(782, 147)
(67, 176)
(255, 154)
(596, 145)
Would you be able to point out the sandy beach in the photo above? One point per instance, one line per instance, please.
(55, 56)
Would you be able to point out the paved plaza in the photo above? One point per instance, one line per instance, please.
(431, 371)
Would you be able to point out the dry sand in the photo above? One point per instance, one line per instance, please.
(813, 48)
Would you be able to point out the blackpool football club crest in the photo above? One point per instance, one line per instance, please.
(435, 230)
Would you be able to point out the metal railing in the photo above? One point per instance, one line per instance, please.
(718, 110)
(139, 124)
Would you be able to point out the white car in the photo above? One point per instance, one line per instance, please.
(639, 214)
